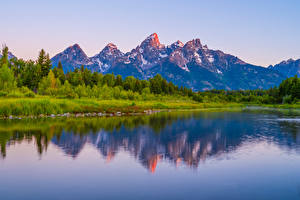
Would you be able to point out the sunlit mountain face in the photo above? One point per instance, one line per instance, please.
(192, 64)
(178, 138)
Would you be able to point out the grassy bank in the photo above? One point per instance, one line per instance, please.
(48, 106)
(283, 106)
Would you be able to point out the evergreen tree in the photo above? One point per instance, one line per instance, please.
(156, 84)
(44, 62)
(295, 89)
(30, 76)
(119, 81)
(109, 80)
(81, 68)
(87, 77)
(59, 66)
(129, 83)
(96, 78)
(4, 58)
(59, 73)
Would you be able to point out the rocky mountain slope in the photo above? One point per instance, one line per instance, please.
(288, 68)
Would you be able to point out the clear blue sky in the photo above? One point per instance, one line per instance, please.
(260, 32)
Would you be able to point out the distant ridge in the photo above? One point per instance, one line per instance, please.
(288, 68)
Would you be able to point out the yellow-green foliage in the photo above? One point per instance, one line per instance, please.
(7, 79)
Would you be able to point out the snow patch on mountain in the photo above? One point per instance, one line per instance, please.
(163, 55)
(211, 59)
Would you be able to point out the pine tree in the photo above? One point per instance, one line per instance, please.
(44, 62)
(4, 58)
(119, 81)
(42, 57)
(81, 68)
(59, 65)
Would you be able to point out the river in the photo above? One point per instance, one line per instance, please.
(168, 155)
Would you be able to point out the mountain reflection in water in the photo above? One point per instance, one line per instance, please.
(180, 138)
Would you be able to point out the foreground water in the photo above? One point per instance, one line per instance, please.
(189, 155)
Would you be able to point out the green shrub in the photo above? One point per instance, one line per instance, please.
(7, 79)
(130, 95)
(3, 94)
(123, 95)
(24, 90)
(29, 94)
(15, 94)
(287, 99)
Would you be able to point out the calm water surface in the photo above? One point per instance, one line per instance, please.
(189, 155)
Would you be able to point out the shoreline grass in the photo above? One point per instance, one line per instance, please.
(48, 106)
(44, 105)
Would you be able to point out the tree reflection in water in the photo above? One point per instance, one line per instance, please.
(187, 137)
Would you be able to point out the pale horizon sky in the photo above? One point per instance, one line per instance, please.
(260, 32)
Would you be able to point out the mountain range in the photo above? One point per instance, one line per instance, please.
(191, 64)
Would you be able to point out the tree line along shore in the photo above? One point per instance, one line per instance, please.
(32, 88)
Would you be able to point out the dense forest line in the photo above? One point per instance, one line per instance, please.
(19, 78)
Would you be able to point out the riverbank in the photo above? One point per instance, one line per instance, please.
(46, 106)
(54, 107)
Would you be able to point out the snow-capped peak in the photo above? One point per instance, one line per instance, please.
(153, 36)
(178, 44)
(193, 44)
(110, 50)
(175, 45)
(74, 52)
(74, 49)
(111, 46)
(205, 47)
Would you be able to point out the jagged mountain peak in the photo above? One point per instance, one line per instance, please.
(110, 50)
(153, 36)
(193, 44)
(75, 50)
(177, 44)
(291, 60)
(148, 53)
(107, 57)
(111, 46)
(75, 46)
(71, 58)
(152, 41)
(72, 48)
(287, 61)
(284, 62)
